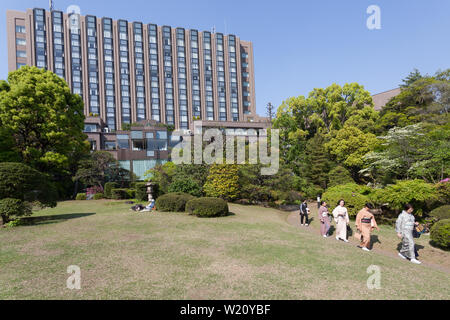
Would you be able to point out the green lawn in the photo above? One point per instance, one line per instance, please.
(256, 253)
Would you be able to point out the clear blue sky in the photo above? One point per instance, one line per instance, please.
(299, 45)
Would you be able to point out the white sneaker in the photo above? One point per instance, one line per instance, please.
(365, 249)
(306, 225)
(416, 261)
(402, 256)
(302, 225)
(345, 240)
(325, 236)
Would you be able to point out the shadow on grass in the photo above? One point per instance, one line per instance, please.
(54, 219)
(374, 239)
(417, 247)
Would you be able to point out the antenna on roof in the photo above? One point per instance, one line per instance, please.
(50, 4)
(213, 29)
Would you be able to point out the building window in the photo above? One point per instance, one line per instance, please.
(21, 42)
(21, 54)
(20, 29)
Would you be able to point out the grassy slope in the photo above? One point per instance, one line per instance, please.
(254, 254)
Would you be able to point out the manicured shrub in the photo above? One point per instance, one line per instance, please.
(223, 182)
(443, 192)
(131, 193)
(186, 185)
(173, 202)
(92, 191)
(441, 213)
(120, 194)
(108, 189)
(81, 196)
(13, 208)
(19, 181)
(98, 196)
(416, 192)
(440, 234)
(207, 207)
(141, 191)
(355, 197)
(339, 176)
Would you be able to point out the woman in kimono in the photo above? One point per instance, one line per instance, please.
(404, 227)
(324, 220)
(340, 215)
(365, 223)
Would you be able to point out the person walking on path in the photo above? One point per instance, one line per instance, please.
(404, 227)
(340, 215)
(304, 213)
(365, 223)
(324, 219)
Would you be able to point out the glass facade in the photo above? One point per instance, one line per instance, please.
(40, 38)
(139, 68)
(58, 44)
(245, 82)
(209, 93)
(75, 54)
(221, 86)
(182, 81)
(92, 59)
(233, 77)
(124, 72)
(110, 89)
(154, 71)
(168, 75)
(195, 71)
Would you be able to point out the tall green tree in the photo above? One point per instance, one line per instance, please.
(318, 163)
(44, 119)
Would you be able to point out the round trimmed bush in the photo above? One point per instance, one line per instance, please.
(441, 213)
(81, 196)
(173, 202)
(11, 208)
(440, 234)
(208, 207)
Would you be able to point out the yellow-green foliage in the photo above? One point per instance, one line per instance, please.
(222, 182)
(355, 197)
(416, 192)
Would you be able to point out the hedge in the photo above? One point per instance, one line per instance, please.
(440, 234)
(98, 196)
(81, 196)
(120, 194)
(141, 191)
(173, 202)
(207, 207)
(108, 189)
(441, 213)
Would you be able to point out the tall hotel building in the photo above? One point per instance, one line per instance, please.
(131, 72)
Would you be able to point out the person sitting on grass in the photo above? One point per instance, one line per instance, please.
(141, 208)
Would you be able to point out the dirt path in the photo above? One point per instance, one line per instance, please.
(430, 257)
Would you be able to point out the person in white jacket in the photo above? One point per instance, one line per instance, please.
(404, 227)
(340, 214)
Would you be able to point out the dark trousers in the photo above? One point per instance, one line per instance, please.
(303, 217)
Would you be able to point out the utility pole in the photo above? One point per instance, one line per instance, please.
(270, 112)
